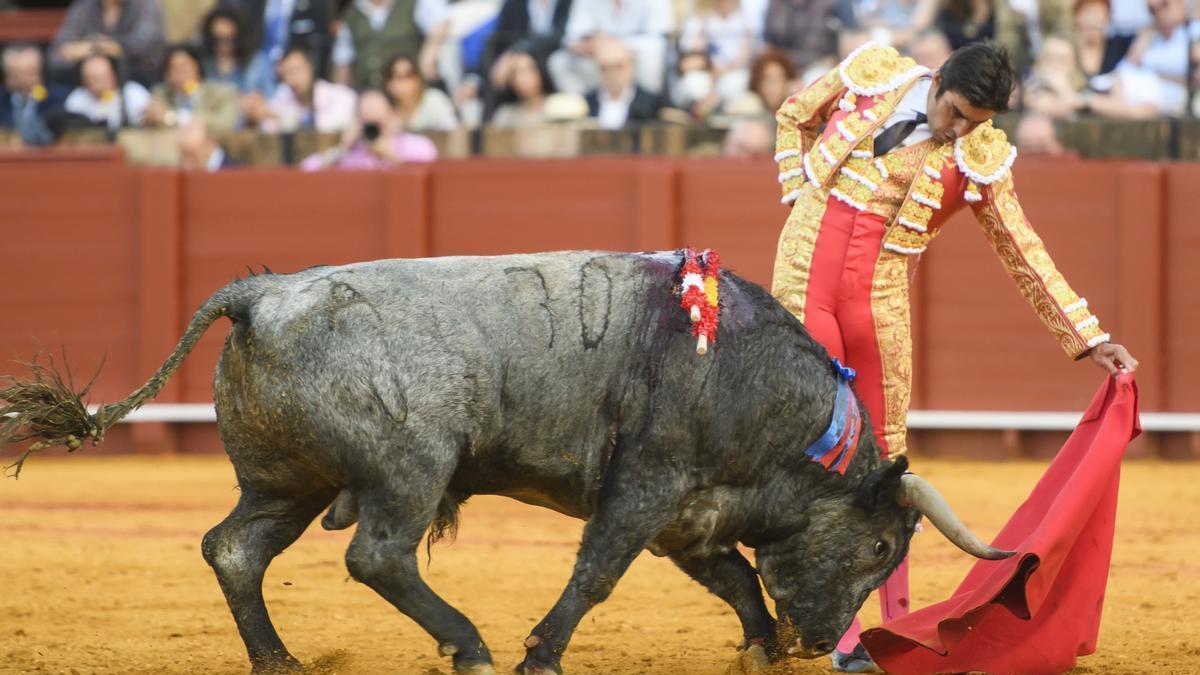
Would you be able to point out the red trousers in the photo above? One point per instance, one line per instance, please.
(844, 300)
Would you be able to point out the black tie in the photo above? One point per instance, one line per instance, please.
(895, 134)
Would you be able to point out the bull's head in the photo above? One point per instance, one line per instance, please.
(848, 546)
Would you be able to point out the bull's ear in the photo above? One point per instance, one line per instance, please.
(878, 488)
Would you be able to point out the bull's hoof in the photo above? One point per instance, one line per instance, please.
(474, 669)
(283, 665)
(753, 659)
(528, 667)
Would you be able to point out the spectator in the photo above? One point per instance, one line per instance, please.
(525, 90)
(302, 101)
(26, 102)
(1097, 54)
(538, 25)
(417, 107)
(772, 80)
(373, 141)
(129, 30)
(103, 99)
(183, 96)
(930, 48)
(1036, 136)
(1055, 85)
(373, 31)
(619, 101)
(642, 25)
(695, 87)
(720, 29)
(198, 151)
(182, 17)
(892, 22)
(749, 138)
(1152, 79)
(525, 27)
(279, 26)
(967, 21)
(230, 56)
(806, 30)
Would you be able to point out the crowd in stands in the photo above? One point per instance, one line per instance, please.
(379, 73)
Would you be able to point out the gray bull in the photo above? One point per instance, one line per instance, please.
(565, 380)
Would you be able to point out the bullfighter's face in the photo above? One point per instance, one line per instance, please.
(820, 576)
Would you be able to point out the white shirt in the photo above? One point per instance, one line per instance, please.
(634, 18)
(727, 35)
(134, 98)
(541, 16)
(915, 100)
(428, 14)
(614, 111)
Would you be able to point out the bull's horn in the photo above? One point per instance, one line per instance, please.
(920, 495)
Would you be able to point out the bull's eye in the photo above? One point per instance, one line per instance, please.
(881, 548)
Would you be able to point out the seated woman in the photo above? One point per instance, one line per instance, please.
(304, 102)
(103, 99)
(229, 54)
(183, 96)
(525, 87)
(418, 107)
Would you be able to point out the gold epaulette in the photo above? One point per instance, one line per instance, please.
(875, 69)
(984, 156)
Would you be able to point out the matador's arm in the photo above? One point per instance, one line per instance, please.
(800, 118)
(1025, 259)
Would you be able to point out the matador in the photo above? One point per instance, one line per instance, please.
(874, 157)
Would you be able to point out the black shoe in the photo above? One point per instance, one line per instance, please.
(857, 661)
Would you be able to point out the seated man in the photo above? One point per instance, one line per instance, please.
(25, 100)
(619, 101)
(642, 25)
(103, 100)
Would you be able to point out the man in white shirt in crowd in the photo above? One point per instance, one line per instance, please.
(644, 26)
(619, 101)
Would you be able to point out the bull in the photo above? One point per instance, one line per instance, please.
(394, 390)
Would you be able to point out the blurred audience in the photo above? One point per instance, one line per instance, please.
(1036, 135)
(26, 101)
(418, 107)
(806, 30)
(199, 151)
(183, 95)
(1056, 84)
(619, 101)
(104, 99)
(278, 26)
(302, 101)
(749, 138)
(695, 89)
(773, 77)
(1097, 53)
(721, 29)
(930, 48)
(524, 91)
(966, 21)
(373, 31)
(1152, 79)
(229, 55)
(130, 31)
(894, 22)
(373, 141)
(643, 26)
(537, 25)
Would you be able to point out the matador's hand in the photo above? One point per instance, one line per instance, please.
(1113, 358)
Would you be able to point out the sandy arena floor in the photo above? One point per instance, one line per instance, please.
(102, 573)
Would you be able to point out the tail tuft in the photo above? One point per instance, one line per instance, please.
(47, 407)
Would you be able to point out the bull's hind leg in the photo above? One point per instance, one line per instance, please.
(239, 550)
(732, 578)
(392, 520)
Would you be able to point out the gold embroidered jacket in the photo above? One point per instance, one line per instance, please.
(855, 99)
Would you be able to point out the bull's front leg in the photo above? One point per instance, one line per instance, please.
(633, 509)
(732, 578)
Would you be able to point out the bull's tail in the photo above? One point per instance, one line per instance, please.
(47, 409)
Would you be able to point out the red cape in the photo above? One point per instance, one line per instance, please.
(1038, 610)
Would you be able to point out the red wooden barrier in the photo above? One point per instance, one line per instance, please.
(112, 261)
